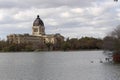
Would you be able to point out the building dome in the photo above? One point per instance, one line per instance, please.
(38, 22)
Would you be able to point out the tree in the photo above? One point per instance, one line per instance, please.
(112, 42)
(116, 0)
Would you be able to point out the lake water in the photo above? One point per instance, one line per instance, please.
(75, 65)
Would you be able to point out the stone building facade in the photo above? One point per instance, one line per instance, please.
(38, 35)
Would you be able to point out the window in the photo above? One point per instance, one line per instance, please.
(35, 30)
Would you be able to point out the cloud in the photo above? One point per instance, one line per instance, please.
(71, 18)
(65, 14)
(43, 3)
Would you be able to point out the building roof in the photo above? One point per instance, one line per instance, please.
(38, 22)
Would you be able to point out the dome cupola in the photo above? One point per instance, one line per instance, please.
(38, 28)
(38, 22)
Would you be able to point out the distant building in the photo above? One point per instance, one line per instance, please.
(38, 35)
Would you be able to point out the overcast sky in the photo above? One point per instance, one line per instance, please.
(71, 18)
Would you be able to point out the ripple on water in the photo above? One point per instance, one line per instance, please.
(75, 65)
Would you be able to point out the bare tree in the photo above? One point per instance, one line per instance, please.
(116, 32)
(112, 42)
(115, 0)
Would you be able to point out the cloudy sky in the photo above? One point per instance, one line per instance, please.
(71, 18)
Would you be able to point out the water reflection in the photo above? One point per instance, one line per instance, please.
(76, 65)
